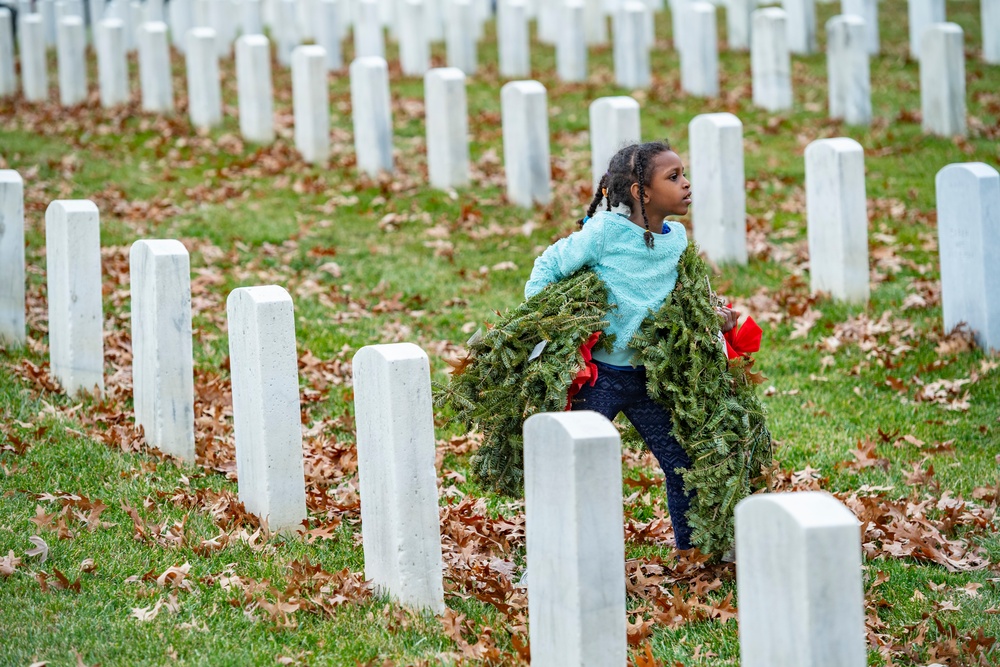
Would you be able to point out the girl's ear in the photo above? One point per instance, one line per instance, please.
(634, 190)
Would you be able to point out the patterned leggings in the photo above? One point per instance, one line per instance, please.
(625, 391)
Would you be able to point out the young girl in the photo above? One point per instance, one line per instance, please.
(644, 184)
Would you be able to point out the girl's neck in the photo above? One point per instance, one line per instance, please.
(654, 225)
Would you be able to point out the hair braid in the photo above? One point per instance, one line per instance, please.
(596, 201)
(639, 168)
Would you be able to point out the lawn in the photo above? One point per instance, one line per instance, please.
(138, 560)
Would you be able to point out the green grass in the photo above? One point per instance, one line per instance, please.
(255, 215)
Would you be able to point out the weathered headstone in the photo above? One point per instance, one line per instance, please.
(460, 36)
(631, 51)
(155, 79)
(525, 124)
(162, 366)
(800, 25)
(8, 77)
(414, 49)
(222, 19)
(154, 11)
(867, 10)
(447, 127)
(134, 12)
(95, 11)
(571, 43)
(396, 475)
(12, 302)
(254, 89)
(369, 39)
(968, 211)
(848, 78)
(837, 219)
(329, 31)
(513, 46)
(942, 80)
(700, 55)
(546, 22)
(596, 22)
(614, 123)
(990, 16)
(266, 417)
(434, 20)
(718, 187)
(307, 11)
(34, 72)
(73, 275)
(251, 18)
(738, 13)
(286, 31)
(204, 89)
(922, 14)
(770, 63)
(799, 582)
(112, 65)
(575, 540)
(311, 103)
(372, 115)
(71, 45)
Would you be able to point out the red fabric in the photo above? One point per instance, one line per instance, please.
(742, 340)
(587, 374)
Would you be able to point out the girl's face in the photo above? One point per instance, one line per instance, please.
(669, 191)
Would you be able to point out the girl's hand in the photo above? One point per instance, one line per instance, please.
(729, 317)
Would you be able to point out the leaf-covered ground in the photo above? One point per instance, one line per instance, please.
(110, 554)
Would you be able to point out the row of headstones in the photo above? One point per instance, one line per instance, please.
(572, 460)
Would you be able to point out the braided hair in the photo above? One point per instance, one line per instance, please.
(629, 165)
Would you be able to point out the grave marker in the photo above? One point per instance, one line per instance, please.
(990, 17)
(718, 187)
(396, 475)
(700, 55)
(571, 43)
(596, 22)
(266, 416)
(71, 45)
(614, 123)
(329, 32)
(8, 78)
(738, 14)
(575, 540)
(942, 80)
(800, 17)
(251, 18)
(770, 63)
(112, 64)
(848, 75)
(525, 124)
(180, 17)
(155, 78)
(311, 103)
(204, 89)
(922, 14)
(867, 10)
(372, 115)
(460, 36)
(837, 219)
(47, 12)
(369, 39)
(286, 31)
(799, 582)
(512, 39)
(414, 49)
(631, 52)
(12, 302)
(447, 127)
(254, 91)
(34, 71)
(73, 276)
(968, 208)
(162, 366)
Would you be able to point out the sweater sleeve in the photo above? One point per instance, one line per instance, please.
(565, 256)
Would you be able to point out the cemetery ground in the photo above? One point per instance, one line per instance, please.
(111, 554)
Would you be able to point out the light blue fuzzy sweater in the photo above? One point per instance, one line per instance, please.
(638, 279)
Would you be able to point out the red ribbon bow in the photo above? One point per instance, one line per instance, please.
(587, 374)
(742, 340)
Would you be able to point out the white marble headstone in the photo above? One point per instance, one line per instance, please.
(770, 62)
(718, 187)
(942, 80)
(447, 127)
(371, 115)
(254, 91)
(614, 123)
(848, 78)
(311, 103)
(204, 88)
(525, 125)
(112, 64)
(12, 302)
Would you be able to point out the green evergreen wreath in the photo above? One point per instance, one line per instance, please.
(510, 375)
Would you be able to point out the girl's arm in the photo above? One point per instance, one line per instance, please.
(566, 256)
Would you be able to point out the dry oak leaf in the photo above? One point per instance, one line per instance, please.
(9, 563)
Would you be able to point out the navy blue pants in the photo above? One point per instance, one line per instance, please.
(625, 391)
